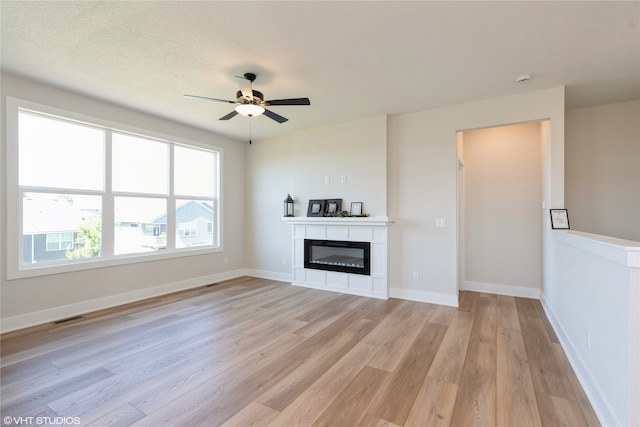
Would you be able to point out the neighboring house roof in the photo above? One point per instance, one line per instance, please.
(43, 216)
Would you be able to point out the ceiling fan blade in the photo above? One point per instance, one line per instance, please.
(230, 115)
(292, 101)
(245, 87)
(277, 117)
(208, 99)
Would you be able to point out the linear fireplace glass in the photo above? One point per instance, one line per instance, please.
(337, 255)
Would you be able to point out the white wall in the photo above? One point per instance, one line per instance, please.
(593, 306)
(422, 184)
(356, 150)
(41, 299)
(603, 169)
(269, 179)
(298, 164)
(503, 195)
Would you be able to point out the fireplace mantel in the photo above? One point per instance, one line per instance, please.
(357, 229)
(365, 221)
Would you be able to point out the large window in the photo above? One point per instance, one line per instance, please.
(82, 191)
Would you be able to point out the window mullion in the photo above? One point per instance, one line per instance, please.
(108, 217)
(171, 203)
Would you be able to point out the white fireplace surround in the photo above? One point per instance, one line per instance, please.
(355, 229)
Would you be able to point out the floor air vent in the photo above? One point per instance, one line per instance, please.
(68, 319)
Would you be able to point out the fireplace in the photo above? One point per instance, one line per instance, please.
(338, 255)
(369, 235)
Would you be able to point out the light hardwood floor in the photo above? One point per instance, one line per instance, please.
(255, 352)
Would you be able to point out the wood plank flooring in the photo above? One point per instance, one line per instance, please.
(255, 352)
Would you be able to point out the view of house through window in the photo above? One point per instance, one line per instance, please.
(59, 227)
(153, 189)
(134, 216)
(193, 218)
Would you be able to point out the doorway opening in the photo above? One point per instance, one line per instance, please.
(500, 216)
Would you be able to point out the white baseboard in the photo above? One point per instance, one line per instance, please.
(424, 296)
(271, 275)
(50, 315)
(596, 397)
(508, 290)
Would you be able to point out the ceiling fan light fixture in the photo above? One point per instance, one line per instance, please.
(250, 102)
(249, 110)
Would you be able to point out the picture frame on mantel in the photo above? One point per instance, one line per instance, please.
(356, 209)
(316, 207)
(334, 206)
(559, 219)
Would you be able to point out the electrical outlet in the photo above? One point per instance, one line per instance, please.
(343, 179)
(441, 222)
(416, 275)
(327, 180)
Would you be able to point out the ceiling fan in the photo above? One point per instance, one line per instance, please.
(251, 103)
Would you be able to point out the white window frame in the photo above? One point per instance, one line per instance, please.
(17, 270)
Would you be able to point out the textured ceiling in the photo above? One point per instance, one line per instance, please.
(352, 59)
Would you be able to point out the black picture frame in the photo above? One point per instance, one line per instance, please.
(316, 207)
(559, 219)
(356, 209)
(334, 206)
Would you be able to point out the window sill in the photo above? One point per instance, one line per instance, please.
(45, 269)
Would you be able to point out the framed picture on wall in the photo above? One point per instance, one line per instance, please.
(559, 219)
(316, 207)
